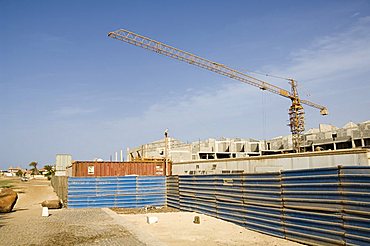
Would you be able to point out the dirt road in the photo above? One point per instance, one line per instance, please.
(25, 226)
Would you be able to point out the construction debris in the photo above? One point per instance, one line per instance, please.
(151, 219)
(8, 198)
(52, 204)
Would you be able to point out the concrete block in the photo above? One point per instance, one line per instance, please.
(151, 219)
(45, 212)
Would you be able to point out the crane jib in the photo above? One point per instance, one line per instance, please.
(164, 49)
(296, 111)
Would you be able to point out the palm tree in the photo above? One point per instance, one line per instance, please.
(50, 171)
(34, 168)
(19, 173)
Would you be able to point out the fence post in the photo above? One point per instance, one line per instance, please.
(282, 204)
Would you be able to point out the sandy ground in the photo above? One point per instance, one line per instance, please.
(178, 229)
(25, 225)
(30, 195)
(144, 210)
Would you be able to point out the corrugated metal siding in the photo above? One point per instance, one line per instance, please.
(124, 192)
(312, 206)
(106, 168)
(355, 188)
(229, 198)
(324, 206)
(263, 203)
(173, 197)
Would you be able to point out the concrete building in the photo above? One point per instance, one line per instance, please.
(275, 163)
(326, 137)
(177, 150)
(200, 150)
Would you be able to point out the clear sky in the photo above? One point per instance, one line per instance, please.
(68, 88)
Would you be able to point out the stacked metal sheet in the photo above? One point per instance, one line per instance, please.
(173, 197)
(204, 195)
(187, 193)
(263, 203)
(124, 192)
(312, 206)
(324, 206)
(355, 190)
(151, 191)
(197, 194)
(229, 198)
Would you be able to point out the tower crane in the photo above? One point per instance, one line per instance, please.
(296, 111)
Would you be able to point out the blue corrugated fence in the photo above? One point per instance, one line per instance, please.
(323, 206)
(123, 192)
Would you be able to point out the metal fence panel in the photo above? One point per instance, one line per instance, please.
(311, 189)
(312, 206)
(355, 189)
(172, 185)
(313, 227)
(228, 188)
(263, 203)
(233, 212)
(324, 206)
(126, 192)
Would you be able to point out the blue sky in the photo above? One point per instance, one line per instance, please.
(68, 88)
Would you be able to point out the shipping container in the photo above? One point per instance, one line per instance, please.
(114, 168)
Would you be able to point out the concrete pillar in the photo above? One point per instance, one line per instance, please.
(128, 154)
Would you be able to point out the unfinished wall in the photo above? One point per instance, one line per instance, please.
(60, 185)
(353, 157)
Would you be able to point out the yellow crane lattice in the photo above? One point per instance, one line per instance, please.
(296, 111)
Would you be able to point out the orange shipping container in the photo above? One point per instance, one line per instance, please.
(113, 168)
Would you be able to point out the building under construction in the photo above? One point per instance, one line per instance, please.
(326, 137)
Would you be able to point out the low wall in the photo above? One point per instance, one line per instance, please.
(60, 185)
(325, 206)
(274, 163)
(122, 192)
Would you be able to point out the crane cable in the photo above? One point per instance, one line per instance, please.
(263, 118)
(265, 74)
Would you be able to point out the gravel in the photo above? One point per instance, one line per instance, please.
(66, 227)
(149, 209)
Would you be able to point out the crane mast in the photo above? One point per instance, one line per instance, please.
(296, 111)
